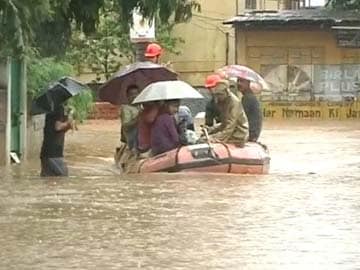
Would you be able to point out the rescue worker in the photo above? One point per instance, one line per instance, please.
(234, 124)
(212, 113)
(153, 52)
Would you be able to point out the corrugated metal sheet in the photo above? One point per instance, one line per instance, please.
(316, 16)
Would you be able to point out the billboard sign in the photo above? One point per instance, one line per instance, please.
(142, 30)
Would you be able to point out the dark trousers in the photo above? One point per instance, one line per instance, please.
(53, 167)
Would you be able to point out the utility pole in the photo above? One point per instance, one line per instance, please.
(227, 48)
(236, 35)
(140, 51)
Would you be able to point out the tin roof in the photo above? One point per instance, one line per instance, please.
(299, 17)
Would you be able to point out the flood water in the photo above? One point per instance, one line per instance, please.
(304, 215)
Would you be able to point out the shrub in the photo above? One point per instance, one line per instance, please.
(41, 72)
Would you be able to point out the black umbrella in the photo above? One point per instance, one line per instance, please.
(56, 94)
(141, 74)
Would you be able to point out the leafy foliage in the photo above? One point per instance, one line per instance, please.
(96, 30)
(344, 4)
(41, 72)
(81, 105)
(47, 24)
(106, 50)
(85, 13)
(54, 34)
(167, 11)
(17, 19)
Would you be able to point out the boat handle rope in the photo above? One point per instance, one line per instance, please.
(212, 152)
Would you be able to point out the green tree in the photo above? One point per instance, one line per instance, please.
(104, 50)
(167, 11)
(344, 4)
(42, 72)
(51, 20)
(17, 21)
(109, 47)
(55, 33)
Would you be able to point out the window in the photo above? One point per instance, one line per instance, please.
(250, 4)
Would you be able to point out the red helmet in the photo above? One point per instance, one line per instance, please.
(212, 80)
(153, 50)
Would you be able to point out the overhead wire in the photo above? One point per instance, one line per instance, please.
(212, 29)
(208, 17)
(214, 12)
(216, 26)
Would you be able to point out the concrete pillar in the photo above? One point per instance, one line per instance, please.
(18, 105)
(140, 48)
(4, 114)
(240, 47)
(23, 110)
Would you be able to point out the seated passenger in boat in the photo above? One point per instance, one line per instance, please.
(252, 109)
(146, 119)
(234, 124)
(164, 132)
(185, 124)
(184, 118)
(129, 118)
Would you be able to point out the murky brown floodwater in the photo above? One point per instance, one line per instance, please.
(304, 215)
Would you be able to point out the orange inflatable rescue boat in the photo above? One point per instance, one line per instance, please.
(253, 158)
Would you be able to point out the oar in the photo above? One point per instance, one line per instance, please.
(211, 148)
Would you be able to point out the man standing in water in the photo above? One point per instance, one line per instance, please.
(52, 150)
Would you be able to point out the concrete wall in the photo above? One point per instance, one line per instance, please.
(306, 66)
(206, 43)
(262, 5)
(256, 48)
(35, 126)
(206, 46)
(312, 110)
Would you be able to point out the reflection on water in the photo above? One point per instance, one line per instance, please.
(304, 214)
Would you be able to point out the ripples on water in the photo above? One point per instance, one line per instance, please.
(300, 216)
(181, 222)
